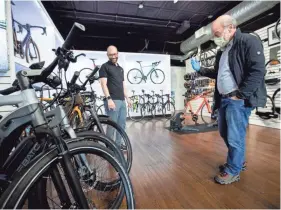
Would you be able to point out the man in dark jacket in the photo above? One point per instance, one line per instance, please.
(239, 72)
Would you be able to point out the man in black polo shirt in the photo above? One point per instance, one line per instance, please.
(112, 83)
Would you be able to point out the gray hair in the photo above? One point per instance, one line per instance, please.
(229, 21)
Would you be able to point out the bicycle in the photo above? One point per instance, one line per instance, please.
(136, 76)
(136, 111)
(27, 42)
(53, 151)
(167, 108)
(210, 119)
(85, 115)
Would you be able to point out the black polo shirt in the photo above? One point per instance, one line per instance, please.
(115, 77)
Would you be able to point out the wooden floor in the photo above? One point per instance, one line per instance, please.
(176, 171)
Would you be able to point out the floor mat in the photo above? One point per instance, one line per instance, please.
(201, 128)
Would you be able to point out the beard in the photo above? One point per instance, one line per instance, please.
(114, 60)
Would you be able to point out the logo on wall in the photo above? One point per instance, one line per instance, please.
(137, 75)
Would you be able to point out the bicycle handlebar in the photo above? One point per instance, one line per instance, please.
(76, 28)
(91, 76)
(74, 77)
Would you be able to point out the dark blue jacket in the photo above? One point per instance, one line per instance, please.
(247, 64)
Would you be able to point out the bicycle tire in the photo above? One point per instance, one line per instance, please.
(80, 73)
(18, 190)
(35, 48)
(276, 28)
(99, 110)
(277, 108)
(135, 69)
(123, 134)
(99, 137)
(154, 71)
(202, 116)
(172, 107)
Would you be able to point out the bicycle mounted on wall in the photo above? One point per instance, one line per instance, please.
(136, 76)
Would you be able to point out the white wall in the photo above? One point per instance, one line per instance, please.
(254, 119)
(177, 79)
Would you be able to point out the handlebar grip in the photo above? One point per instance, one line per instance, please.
(94, 71)
(76, 28)
(9, 90)
(75, 77)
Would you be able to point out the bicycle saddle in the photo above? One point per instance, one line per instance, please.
(93, 59)
(38, 65)
(138, 61)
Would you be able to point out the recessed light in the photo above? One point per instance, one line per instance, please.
(175, 1)
(270, 14)
(210, 16)
(140, 6)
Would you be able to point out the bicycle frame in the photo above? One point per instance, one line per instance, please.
(151, 70)
(188, 107)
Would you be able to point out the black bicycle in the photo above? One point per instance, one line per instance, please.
(136, 76)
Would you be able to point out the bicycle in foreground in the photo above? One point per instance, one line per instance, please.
(27, 165)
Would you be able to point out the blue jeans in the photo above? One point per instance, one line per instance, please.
(233, 122)
(119, 116)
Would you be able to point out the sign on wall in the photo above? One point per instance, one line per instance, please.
(3, 39)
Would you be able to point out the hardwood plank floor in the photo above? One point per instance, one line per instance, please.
(176, 171)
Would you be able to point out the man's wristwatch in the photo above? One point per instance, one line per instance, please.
(108, 97)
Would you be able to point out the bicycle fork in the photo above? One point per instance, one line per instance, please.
(70, 174)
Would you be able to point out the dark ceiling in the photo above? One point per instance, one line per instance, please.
(124, 24)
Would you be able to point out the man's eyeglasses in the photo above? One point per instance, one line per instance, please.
(112, 55)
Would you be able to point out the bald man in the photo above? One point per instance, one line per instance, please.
(112, 83)
(239, 72)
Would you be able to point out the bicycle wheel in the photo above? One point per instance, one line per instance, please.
(100, 110)
(25, 184)
(136, 113)
(277, 28)
(157, 76)
(276, 100)
(135, 76)
(84, 76)
(169, 110)
(114, 131)
(206, 116)
(32, 53)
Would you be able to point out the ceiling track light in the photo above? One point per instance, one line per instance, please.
(175, 1)
(140, 6)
